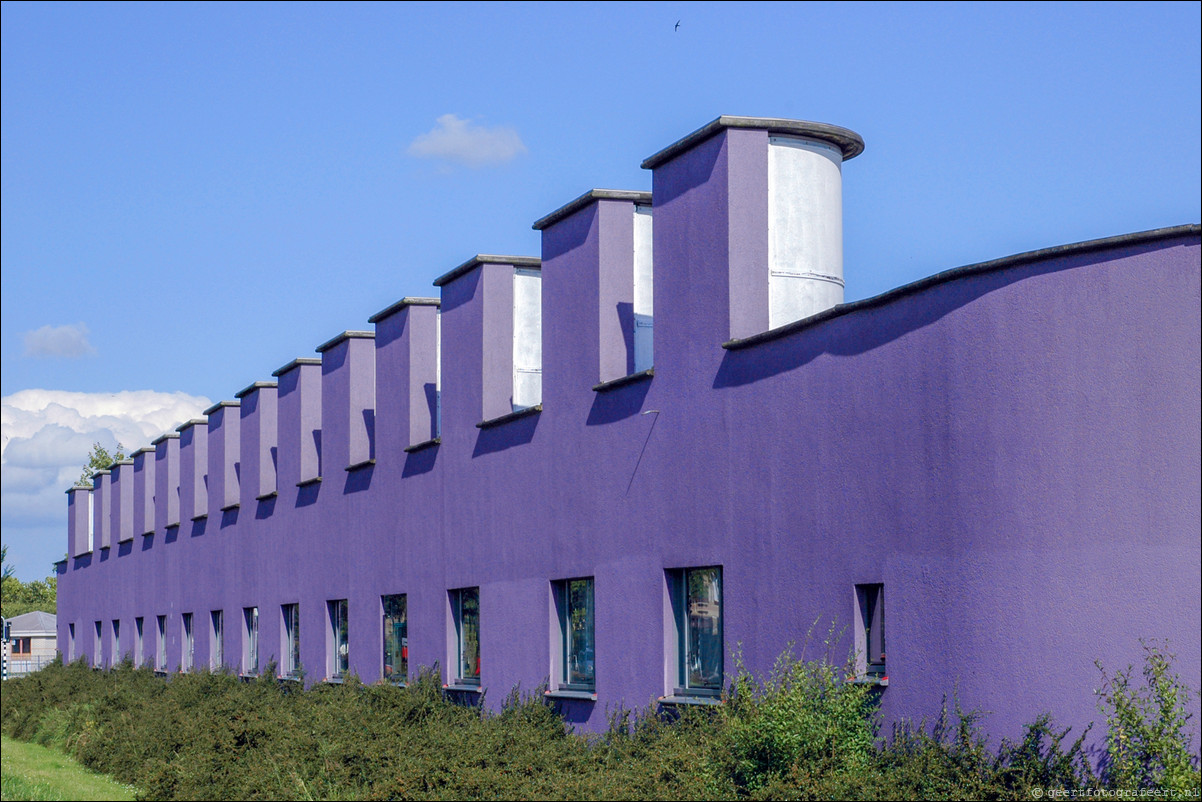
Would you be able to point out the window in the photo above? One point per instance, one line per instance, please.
(139, 649)
(465, 609)
(98, 646)
(339, 657)
(115, 651)
(698, 605)
(70, 643)
(250, 640)
(160, 657)
(870, 630)
(291, 646)
(216, 640)
(574, 603)
(396, 638)
(188, 647)
(22, 647)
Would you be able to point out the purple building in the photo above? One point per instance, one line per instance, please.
(668, 441)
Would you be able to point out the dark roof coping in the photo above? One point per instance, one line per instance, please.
(221, 404)
(346, 335)
(401, 304)
(847, 140)
(126, 461)
(487, 259)
(300, 360)
(164, 436)
(245, 391)
(1044, 254)
(588, 198)
(73, 488)
(144, 450)
(190, 423)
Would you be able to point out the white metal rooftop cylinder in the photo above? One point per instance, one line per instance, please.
(805, 228)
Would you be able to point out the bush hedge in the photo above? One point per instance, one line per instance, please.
(800, 733)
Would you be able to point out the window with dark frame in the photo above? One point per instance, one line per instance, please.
(250, 640)
(98, 646)
(396, 638)
(700, 645)
(160, 658)
(188, 648)
(871, 600)
(115, 652)
(575, 602)
(216, 640)
(139, 644)
(70, 643)
(465, 608)
(290, 614)
(340, 658)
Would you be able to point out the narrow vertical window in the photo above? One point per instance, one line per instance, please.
(699, 631)
(216, 640)
(70, 643)
(115, 653)
(291, 646)
(188, 647)
(340, 658)
(396, 638)
(465, 608)
(577, 635)
(139, 647)
(98, 646)
(870, 637)
(250, 641)
(160, 657)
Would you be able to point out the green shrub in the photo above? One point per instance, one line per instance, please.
(1147, 744)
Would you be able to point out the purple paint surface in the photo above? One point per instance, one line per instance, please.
(1012, 451)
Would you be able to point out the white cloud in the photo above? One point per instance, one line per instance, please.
(46, 436)
(63, 341)
(457, 140)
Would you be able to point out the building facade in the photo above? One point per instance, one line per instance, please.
(666, 442)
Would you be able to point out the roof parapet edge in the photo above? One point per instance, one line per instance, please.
(593, 195)
(848, 141)
(407, 301)
(221, 404)
(346, 335)
(250, 388)
(487, 259)
(296, 363)
(188, 424)
(1014, 260)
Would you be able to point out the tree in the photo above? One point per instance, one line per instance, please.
(100, 460)
(17, 597)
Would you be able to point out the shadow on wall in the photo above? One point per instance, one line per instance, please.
(498, 438)
(862, 326)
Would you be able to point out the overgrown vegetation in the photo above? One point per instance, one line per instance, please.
(801, 733)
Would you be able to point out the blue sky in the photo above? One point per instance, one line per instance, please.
(195, 194)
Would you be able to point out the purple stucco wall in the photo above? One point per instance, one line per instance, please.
(1012, 450)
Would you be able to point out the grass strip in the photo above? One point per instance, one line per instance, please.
(29, 771)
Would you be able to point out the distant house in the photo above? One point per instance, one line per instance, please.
(31, 642)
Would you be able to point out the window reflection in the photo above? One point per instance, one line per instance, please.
(396, 638)
(703, 629)
(579, 650)
(467, 621)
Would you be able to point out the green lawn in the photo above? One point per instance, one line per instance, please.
(29, 771)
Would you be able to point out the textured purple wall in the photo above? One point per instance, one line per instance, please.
(1012, 450)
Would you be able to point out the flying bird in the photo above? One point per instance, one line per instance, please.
(677, 28)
